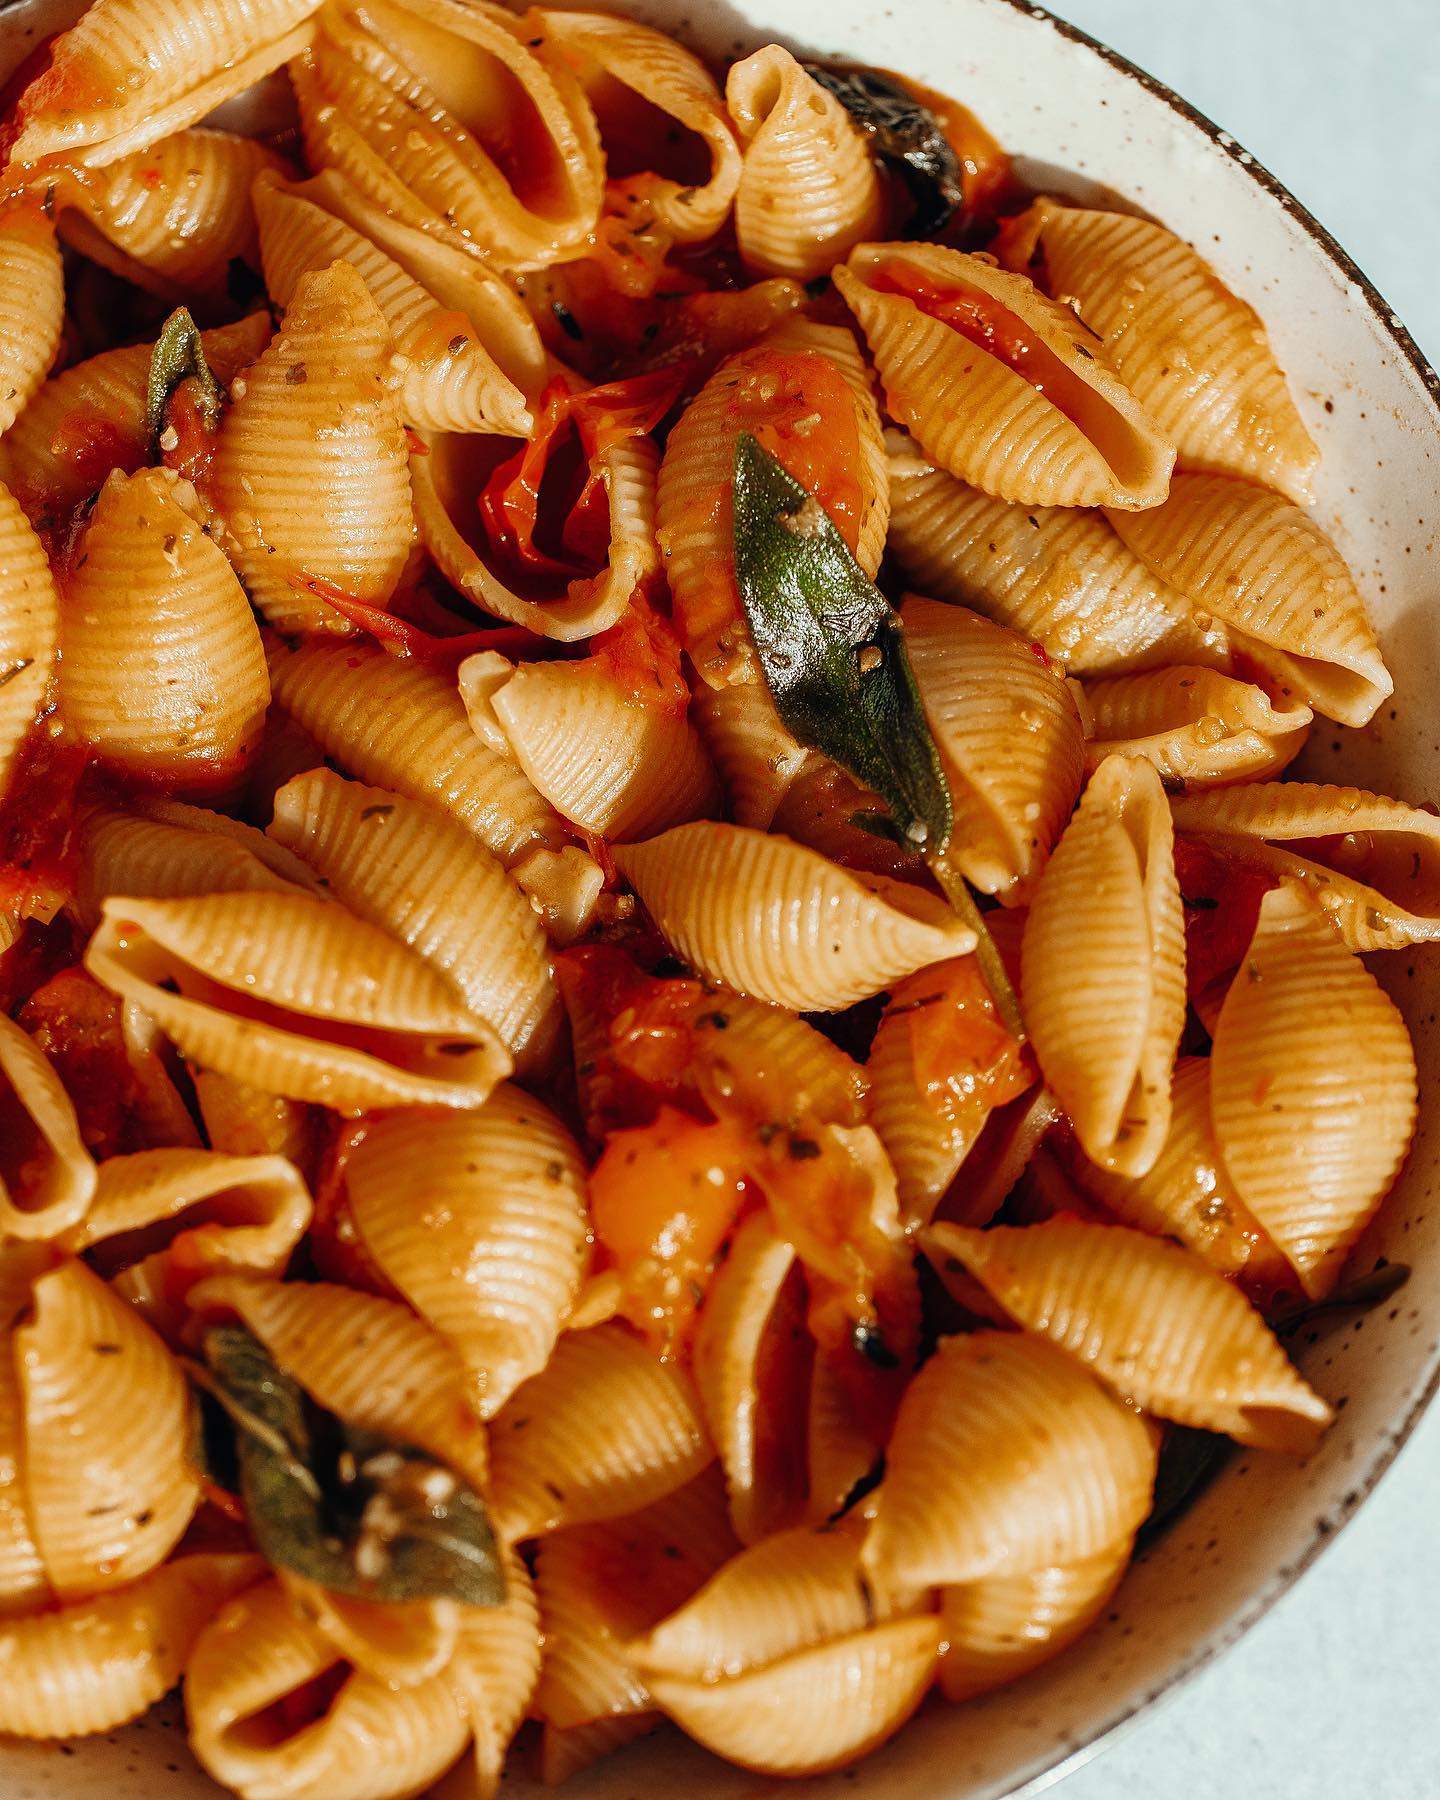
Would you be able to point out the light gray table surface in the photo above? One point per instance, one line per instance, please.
(1336, 1694)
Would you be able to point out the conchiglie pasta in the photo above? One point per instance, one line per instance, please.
(95, 1664)
(1269, 573)
(490, 1248)
(1152, 1320)
(841, 1448)
(162, 668)
(998, 384)
(29, 630)
(494, 1671)
(1106, 1026)
(47, 1175)
(808, 187)
(1313, 1087)
(400, 1643)
(1194, 355)
(756, 757)
(133, 71)
(1010, 738)
(32, 305)
(770, 919)
(603, 1430)
(420, 876)
(1007, 1457)
(1197, 726)
(311, 470)
(298, 997)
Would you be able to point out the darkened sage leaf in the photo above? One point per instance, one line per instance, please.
(904, 133)
(178, 354)
(1189, 1458)
(831, 647)
(360, 1514)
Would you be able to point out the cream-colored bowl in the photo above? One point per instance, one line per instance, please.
(1083, 120)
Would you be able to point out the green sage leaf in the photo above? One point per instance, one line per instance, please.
(177, 356)
(1189, 1460)
(1359, 1295)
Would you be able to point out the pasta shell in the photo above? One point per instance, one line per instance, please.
(162, 666)
(1370, 863)
(747, 1051)
(1152, 1320)
(400, 1644)
(22, 1570)
(171, 219)
(808, 187)
(494, 1671)
(90, 419)
(756, 757)
(842, 1450)
(1058, 575)
(743, 1413)
(1197, 726)
(1267, 571)
(133, 71)
(805, 392)
(259, 1654)
(29, 630)
(1012, 790)
(1047, 424)
(768, 918)
(1313, 1087)
(451, 382)
(32, 306)
(89, 1368)
(1194, 355)
(47, 1175)
(424, 879)
(488, 1246)
(445, 115)
(565, 1753)
(1007, 1457)
(1106, 1026)
(1000, 1629)
(311, 469)
(660, 86)
(298, 997)
(603, 1430)
(816, 1711)
(404, 728)
(95, 1664)
(369, 1361)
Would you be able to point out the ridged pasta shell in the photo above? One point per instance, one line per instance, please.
(763, 1474)
(1007, 1457)
(133, 71)
(162, 669)
(808, 186)
(298, 997)
(22, 1571)
(815, 1711)
(1194, 355)
(89, 1369)
(95, 1664)
(841, 1449)
(494, 1671)
(755, 755)
(1106, 1026)
(1313, 1087)
(1267, 571)
(29, 630)
(608, 53)
(1371, 864)
(1000, 1629)
(32, 306)
(1151, 1319)
(748, 1051)
(1066, 432)
(449, 117)
(171, 219)
(422, 877)
(488, 1242)
(401, 1644)
(259, 1653)
(403, 727)
(565, 1753)
(1012, 789)
(603, 1430)
(1058, 575)
(451, 381)
(1197, 726)
(90, 419)
(47, 1175)
(311, 471)
(806, 392)
(369, 1361)
(771, 919)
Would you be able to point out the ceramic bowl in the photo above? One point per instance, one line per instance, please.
(1082, 120)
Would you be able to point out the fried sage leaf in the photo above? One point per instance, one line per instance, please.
(906, 135)
(178, 356)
